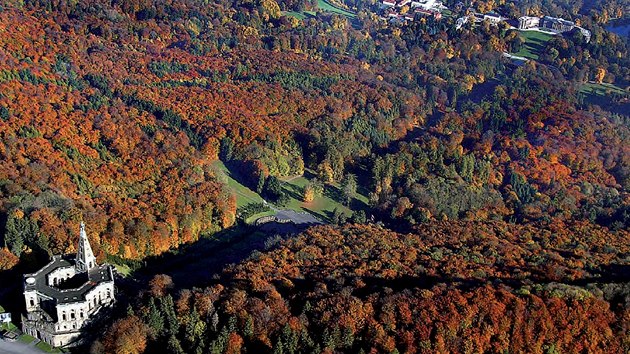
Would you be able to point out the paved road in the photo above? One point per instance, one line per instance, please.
(512, 56)
(18, 347)
(297, 218)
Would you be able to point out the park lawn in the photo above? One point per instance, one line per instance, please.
(535, 43)
(603, 96)
(324, 205)
(600, 89)
(324, 5)
(25, 338)
(243, 194)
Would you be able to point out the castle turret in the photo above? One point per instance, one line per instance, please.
(85, 257)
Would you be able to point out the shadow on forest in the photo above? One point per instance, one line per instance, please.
(233, 170)
(11, 282)
(199, 263)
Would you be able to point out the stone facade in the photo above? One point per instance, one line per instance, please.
(556, 24)
(65, 295)
(527, 22)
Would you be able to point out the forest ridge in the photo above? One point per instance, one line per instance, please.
(481, 177)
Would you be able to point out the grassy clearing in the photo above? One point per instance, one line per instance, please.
(328, 7)
(607, 96)
(535, 43)
(324, 6)
(603, 89)
(243, 194)
(323, 206)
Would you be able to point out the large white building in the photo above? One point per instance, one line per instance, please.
(527, 22)
(65, 294)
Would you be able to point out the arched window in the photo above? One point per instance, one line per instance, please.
(63, 317)
(32, 302)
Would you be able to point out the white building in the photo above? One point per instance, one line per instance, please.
(493, 18)
(65, 294)
(527, 22)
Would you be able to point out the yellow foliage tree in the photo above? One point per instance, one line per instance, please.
(269, 9)
(309, 193)
(325, 172)
(599, 75)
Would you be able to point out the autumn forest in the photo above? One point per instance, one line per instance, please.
(468, 202)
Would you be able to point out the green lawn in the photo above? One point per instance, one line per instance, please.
(243, 194)
(601, 89)
(25, 338)
(322, 207)
(8, 326)
(535, 43)
(603, 95)
(327, 6)
(324, 6)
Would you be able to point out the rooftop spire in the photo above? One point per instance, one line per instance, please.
(85, 257)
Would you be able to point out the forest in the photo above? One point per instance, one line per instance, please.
(491, 186)
(446, 287)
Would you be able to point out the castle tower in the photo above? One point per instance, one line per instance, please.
(85, 257)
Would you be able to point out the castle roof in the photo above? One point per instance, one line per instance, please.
(85, 257)
(37, 281)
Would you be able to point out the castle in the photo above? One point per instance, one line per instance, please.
(551, 24)
(65, 294)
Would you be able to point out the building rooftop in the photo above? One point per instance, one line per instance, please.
(37, 281)
(558, 20)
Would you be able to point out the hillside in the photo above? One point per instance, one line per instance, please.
(445, 287)
(115, 112)
(469, 202)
